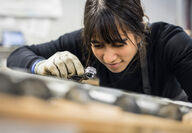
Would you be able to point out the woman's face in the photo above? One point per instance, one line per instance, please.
(118, 55)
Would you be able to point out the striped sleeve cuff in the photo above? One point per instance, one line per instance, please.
(34, 64)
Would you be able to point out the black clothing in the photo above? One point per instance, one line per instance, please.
(169, 58)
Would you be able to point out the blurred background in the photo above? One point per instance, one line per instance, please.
(54, 101)
(26, 22)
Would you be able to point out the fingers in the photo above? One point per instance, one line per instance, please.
(61, 67)
(52, 68)
(69, 65)
(79, 67)
(62, 64)
(72, 63)
(68, 61)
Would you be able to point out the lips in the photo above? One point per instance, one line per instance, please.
(113, 66)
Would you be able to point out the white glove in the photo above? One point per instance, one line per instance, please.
(61, 64)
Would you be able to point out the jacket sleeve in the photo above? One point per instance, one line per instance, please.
(178, 53)
(25, 56)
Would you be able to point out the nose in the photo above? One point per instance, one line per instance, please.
(110, 55)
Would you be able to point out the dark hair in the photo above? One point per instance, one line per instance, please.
(103, 17)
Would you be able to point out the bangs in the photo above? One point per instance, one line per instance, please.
(106, 27)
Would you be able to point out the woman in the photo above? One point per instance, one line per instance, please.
(128, 54)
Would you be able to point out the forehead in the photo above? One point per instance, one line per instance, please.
(107, 27)
(118, 33)
(111, 37)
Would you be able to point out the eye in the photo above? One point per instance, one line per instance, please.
(98, 45)
(124, 41)
(118, 45)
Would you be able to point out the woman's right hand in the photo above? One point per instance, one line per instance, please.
(61, 64)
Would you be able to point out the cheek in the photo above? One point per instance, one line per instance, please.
(96, 52)
(129, 51)
(134, 50)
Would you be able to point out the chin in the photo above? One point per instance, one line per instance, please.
(116, 71)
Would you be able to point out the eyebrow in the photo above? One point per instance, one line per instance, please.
(114, 41)
(95, 41)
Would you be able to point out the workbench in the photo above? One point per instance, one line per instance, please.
(57, 114)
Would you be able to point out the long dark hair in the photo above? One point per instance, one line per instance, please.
(102, 18)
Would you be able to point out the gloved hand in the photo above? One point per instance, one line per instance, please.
(61, 64)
